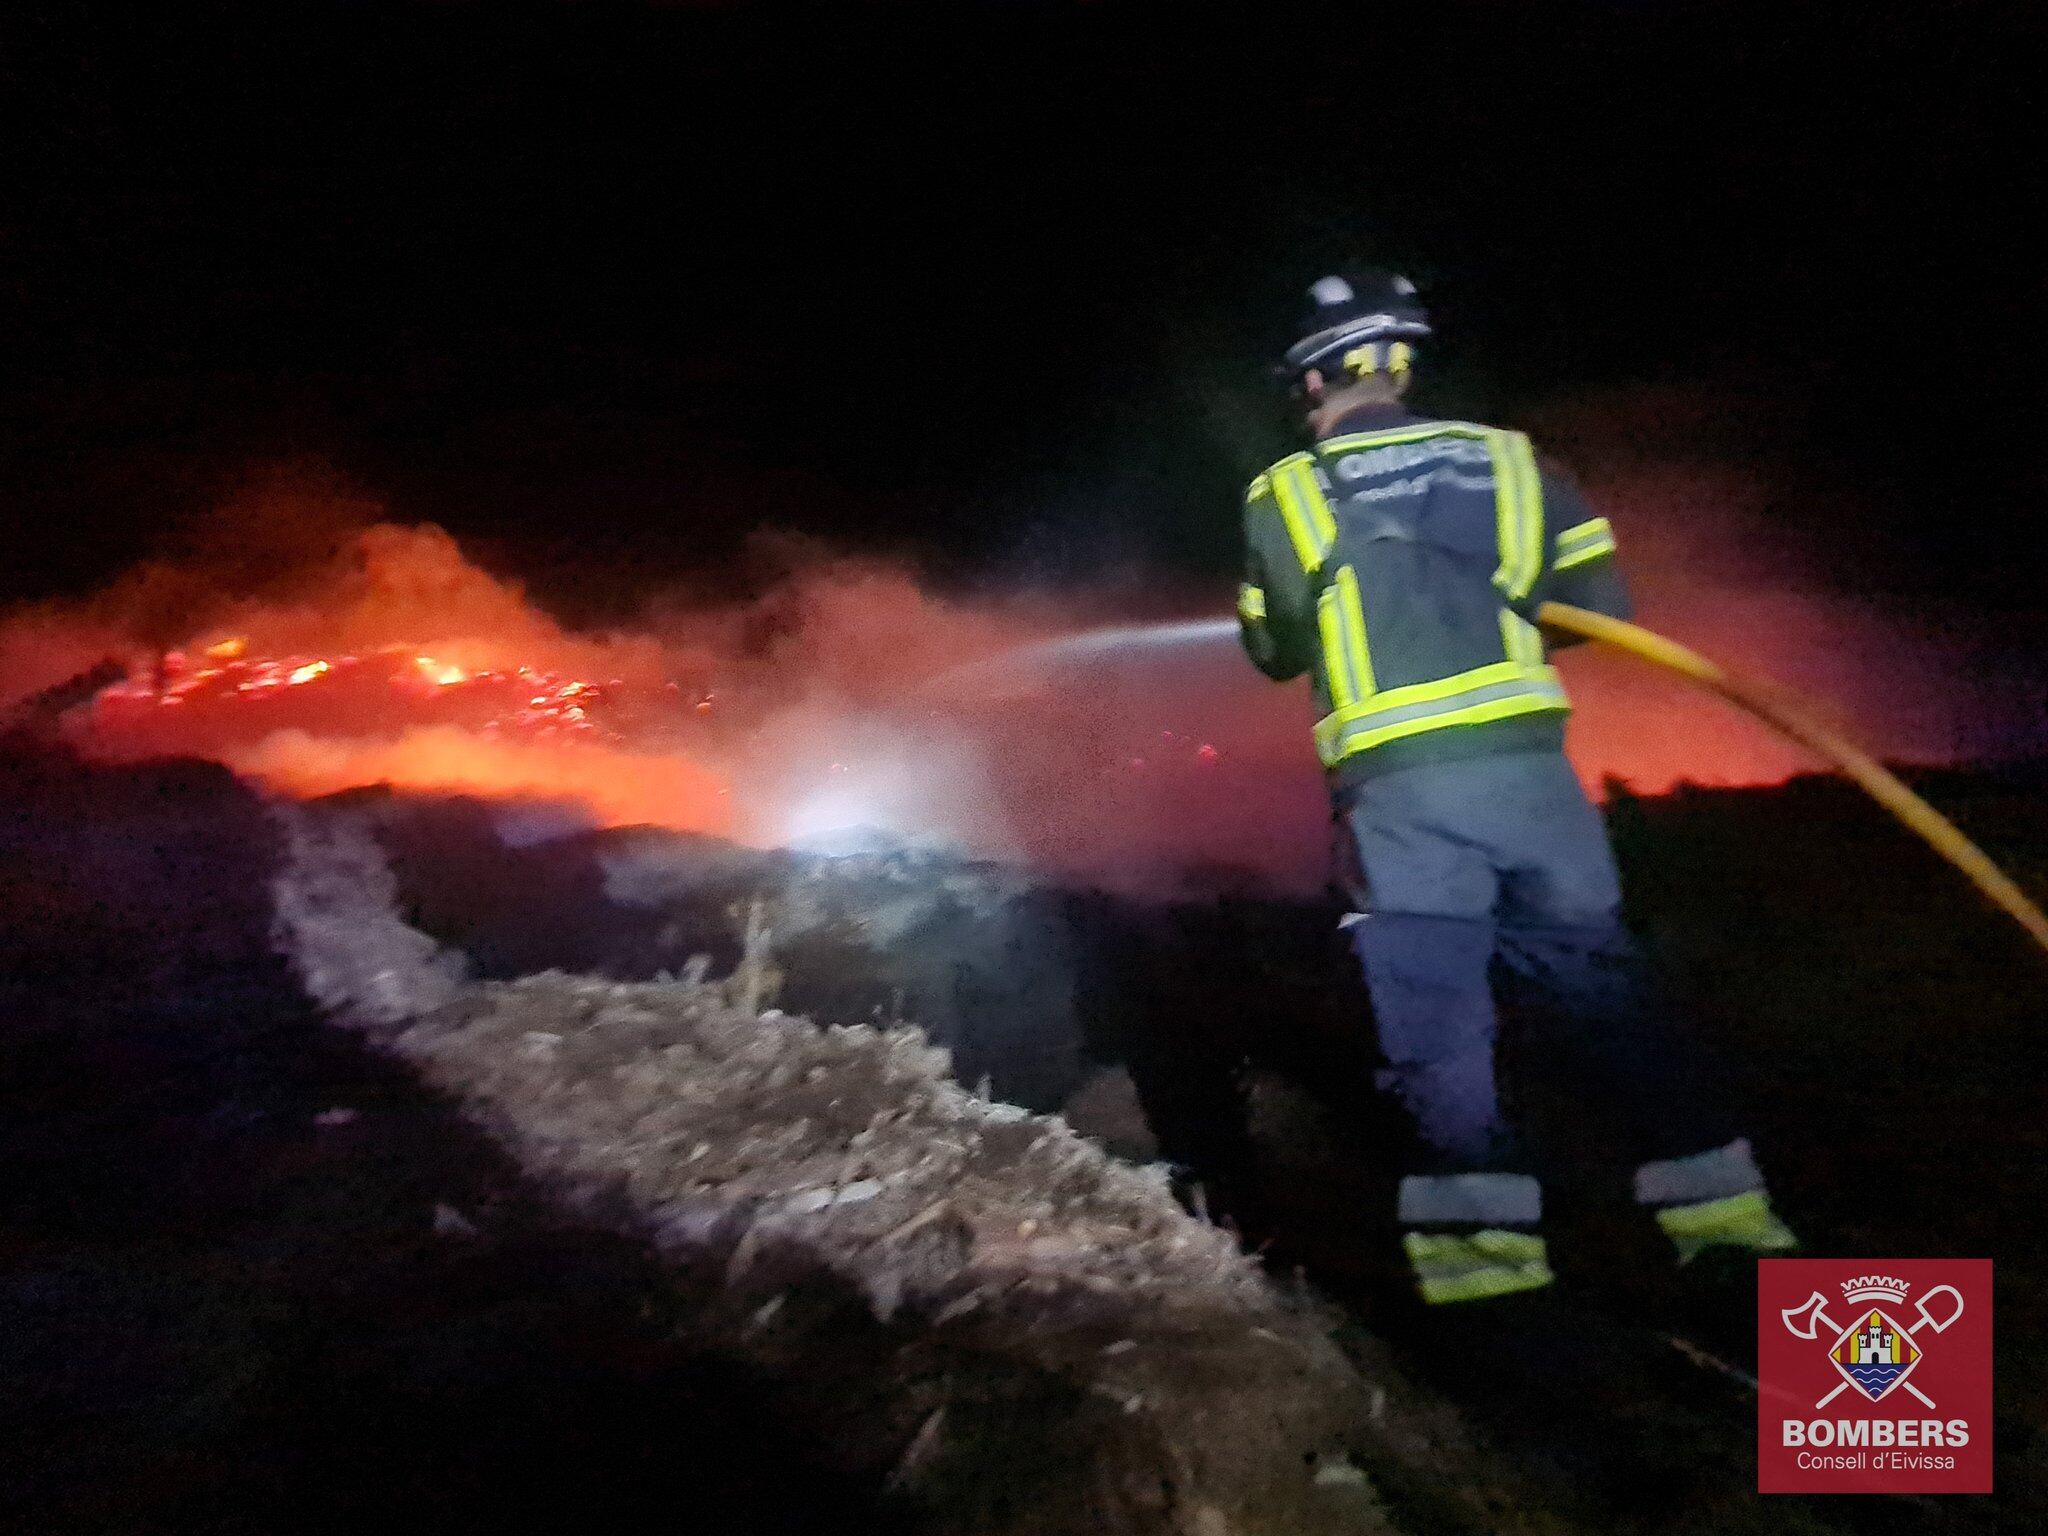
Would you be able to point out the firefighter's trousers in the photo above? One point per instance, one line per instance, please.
(1463, 865)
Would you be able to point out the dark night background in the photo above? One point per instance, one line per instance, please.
(602, 288)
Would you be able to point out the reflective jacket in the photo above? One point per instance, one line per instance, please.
(1397, 563)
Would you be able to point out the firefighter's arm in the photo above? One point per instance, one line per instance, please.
(1580, 565)
(1275, 608)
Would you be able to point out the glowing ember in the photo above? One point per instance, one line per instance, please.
(446, 674)
(492, 700)
(410, 719)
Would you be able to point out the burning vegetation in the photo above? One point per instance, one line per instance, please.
(838, 693)
(305, 641)
(414, 721)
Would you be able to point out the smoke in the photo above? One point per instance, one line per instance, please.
(1719, 557)
(303, 638)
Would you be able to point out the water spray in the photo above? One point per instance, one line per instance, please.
(1012, 671)
(1771, 705)
(1768, 702)
(1096, 641)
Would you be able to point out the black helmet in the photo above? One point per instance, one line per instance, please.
(1358, 322)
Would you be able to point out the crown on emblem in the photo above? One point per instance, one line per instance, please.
(1876, 1288)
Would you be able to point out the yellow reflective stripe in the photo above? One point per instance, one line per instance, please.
(1321, 518)
(1336, 664)
(1518, 512)
(1597, 527)
(1520, 639)
(1505, 511)
(1508, 689)
(1582, 542)
(1481, 1285)
(1347, 659)
(1296, 523)
(1462, 682)
(1251, 603)
(1257, 488)
(1530, 513)
(1739, 1221)
(1301, 531)
(1580, 557)
(1452, 1267)
(1351, 609)
(1338, 733)
(1336, 745)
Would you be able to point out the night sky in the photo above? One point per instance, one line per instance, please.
(601, 289)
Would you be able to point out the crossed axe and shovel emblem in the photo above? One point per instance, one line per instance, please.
(1810, 1316)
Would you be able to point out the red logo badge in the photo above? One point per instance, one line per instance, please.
(1876, 1376)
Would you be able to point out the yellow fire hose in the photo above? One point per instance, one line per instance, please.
(1794, 720)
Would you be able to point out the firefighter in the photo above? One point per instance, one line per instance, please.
(1400, 563)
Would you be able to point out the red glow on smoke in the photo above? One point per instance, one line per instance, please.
(614, 786)
(347, 651)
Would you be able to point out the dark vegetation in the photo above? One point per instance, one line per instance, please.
(225, 1308)
(220, 1314)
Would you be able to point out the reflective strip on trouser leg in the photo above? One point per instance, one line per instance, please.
(1471, 1266)
(1713, 1199)
(1743, 1221)
(1471, 1199)
(1710, 1175)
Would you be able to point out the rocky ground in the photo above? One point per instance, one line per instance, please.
(356, 1233)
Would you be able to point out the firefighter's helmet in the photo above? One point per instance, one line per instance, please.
(1359, 322)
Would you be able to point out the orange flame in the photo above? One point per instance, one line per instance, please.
(616, 786)
(399, 661)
